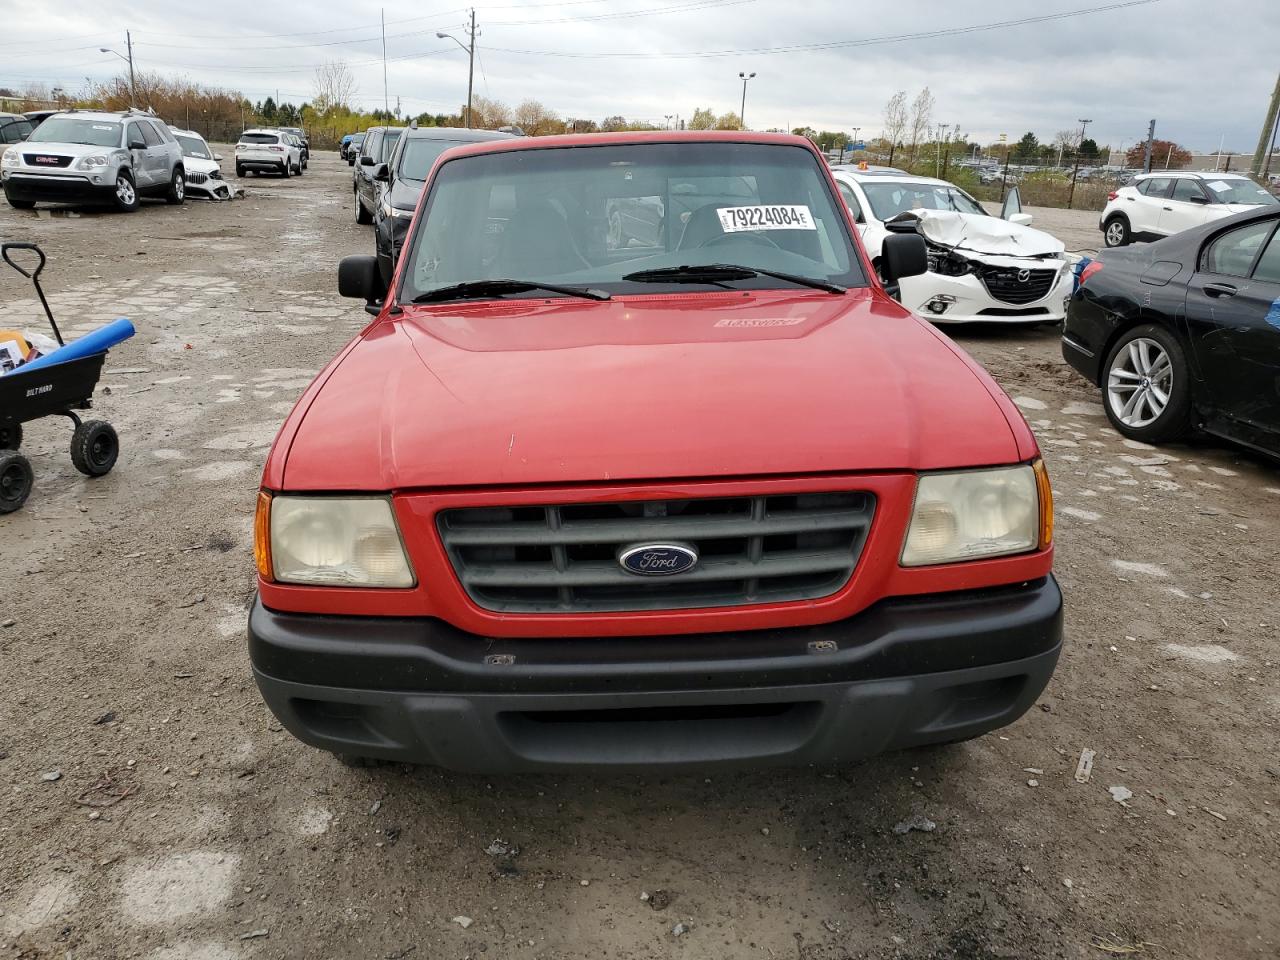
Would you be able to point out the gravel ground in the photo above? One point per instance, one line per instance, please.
(152, 807)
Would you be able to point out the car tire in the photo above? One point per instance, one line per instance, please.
(240, 171)
(363, 217)
(16, 479)
(126, 195)
(11, 437)
(286, 170)
(1116, 232)
(1146, 363)
(177, 192)
(21, 204)
(94, 448)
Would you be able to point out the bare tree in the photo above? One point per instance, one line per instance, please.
(921, 117)
(334, 87)
(536, 120)
(895, 118)
(489, 114)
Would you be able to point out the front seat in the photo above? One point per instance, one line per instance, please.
(703, 225)
(539, 243)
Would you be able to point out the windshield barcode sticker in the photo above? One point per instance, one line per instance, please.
(791, 216)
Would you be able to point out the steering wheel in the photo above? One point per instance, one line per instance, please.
(753, 237)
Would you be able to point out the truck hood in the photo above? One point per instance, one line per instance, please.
(985, 235)
(644, 388)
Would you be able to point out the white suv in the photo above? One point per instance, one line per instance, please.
(261, 150)
(1155, 205)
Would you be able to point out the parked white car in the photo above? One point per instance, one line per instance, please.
(1155, 205)
(982, 268)
(204, 176)
(268, 150)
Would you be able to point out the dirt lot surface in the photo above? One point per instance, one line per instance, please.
(152, 807)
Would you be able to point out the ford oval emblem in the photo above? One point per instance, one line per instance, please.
(658, 559)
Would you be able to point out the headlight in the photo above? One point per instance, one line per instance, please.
(92, 163)
(10, 158)
(979, 513)
(331, 541)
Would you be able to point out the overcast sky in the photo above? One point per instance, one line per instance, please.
(1204, 70)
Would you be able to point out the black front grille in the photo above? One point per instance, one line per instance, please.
(45, 160)
(1014, 285)
(564, 558)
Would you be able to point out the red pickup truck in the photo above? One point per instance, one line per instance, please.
(640, 465)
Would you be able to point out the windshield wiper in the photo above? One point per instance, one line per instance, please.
(486, 288)
(719, 272)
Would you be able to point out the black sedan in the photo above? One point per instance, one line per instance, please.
(1184, 333)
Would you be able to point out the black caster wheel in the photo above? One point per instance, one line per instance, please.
(11, 437)
(15, 481)
(94, 448)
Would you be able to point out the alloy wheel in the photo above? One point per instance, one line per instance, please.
(124, 190)
(1140, 383)
(1115, 233)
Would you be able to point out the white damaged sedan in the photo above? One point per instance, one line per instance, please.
(204, 176)
(982, 268)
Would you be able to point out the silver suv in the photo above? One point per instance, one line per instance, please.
(89, 156)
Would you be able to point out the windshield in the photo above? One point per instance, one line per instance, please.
(194, 147)
(95, 133)
(419, 154)
(888, 199)
(587, 216)
(1239, 191)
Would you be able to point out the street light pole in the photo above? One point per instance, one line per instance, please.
(667, 117)
(742, 114)
(471, 56)
(133, 86)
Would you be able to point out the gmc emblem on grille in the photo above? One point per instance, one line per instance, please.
(49, 160)
(658, 559)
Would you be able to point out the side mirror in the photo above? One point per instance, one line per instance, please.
(360, 278)
(382, 173)
(1012, 205)
(1021, 219)
(366, 161)
(137, 144)
(903, 256)
(1200, 200)
(217, 156)
(904, 223)
(351, 160)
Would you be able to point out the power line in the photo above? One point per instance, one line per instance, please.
(829, 45)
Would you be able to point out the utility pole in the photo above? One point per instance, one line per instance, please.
(470, 49)
(1266, 168)
(1146, 154)
(386, 100)
(133, 85)
(1004, 177)
(1268, 128)
(742, 114)
(1076, 169)
(937, 153)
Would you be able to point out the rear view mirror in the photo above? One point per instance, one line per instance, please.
(360, 278)
(903, 256)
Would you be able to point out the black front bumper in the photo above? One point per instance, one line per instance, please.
(27, 189)
(906, 672)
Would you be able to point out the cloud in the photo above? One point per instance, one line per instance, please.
(1204, 72)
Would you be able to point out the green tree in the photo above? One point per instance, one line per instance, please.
(807, 132)
(613, 124)
(832, 140)
(267, 110)
(1089, 149)
(1028, 148)
(703, 119)
(728, 121)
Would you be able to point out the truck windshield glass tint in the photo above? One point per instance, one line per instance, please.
(587, 216)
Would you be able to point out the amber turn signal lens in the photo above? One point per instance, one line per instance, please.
(262, 536)
(1046, 503)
